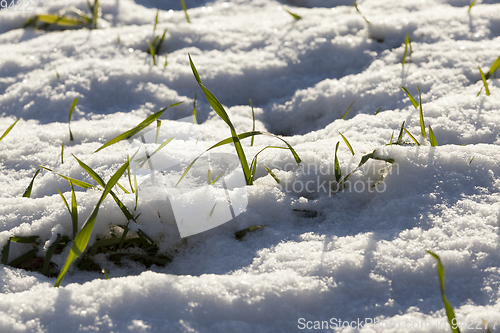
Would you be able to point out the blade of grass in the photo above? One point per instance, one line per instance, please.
(74, 210)
(152, 52)
(493, 68)
(83, 237)
(452, 319)
(128, 134)
(484, 82)
(195, 121)
(27, 256)
(400, 136)
(253, 121)
(158, 125)
(295, 16)
(407, 42)
(412, 137)
(422, 125)
(60, 20)
(76, 182)
(156, 20)
(49, 254)
(8, 129)
(347, 143)
(348, 109)
(473, 2)
(338, 172)
(219, 109)
(357, 9)
(413, 101)
(432, 138)
(62, 152)
(183, 4)
(271, 173)
(27, 192)
(95, 13)
(129, 176)
(472, 159)
(71, 109)
(376, 112)
(158, 45)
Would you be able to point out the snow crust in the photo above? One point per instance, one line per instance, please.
(363, 255)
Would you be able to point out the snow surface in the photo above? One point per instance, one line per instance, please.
(362, 256)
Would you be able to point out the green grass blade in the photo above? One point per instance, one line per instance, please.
(183, 4)
(27, 256)
(74, 210)
(65, 202)
(432, 137)
(271, 173)
(160, 42)
(493, 68)
(83, 237)
(95, 13)
(295, 16)
(195, 121)
(357, 9)
(347, 143)
(156, 20)
(129, 175)
(413, 101)
(91, 172)
(152, 52)
(376, 112)
(412, 137)
(128, 134)
(219, 109)
(59, 20)
(472, 159)
(215, 180)
(449, 310)
(27, 192)
(105, 274)
(480, 90)
(8, 129)
(484, 81)
(76, 182)
(422, 125)
(71, 109)
(400, 136)
(473, 2)
(407, 41)
(253, 121)
(62, 152)
(24, 240)
(136, 189)
(338, 172)
(348, 109)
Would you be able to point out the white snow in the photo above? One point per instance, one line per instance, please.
(362, 256)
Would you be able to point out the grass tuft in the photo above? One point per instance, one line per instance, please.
(83, 236)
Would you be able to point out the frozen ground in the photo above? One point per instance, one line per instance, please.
(362, 256)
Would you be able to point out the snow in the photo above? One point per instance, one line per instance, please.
(361, 256)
